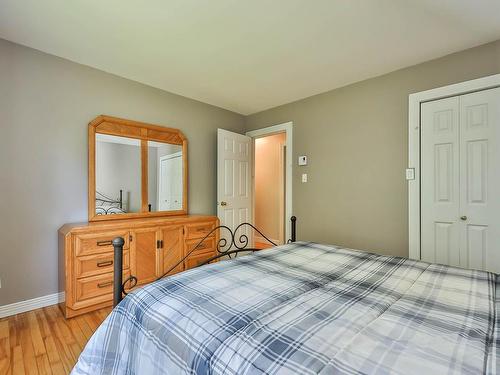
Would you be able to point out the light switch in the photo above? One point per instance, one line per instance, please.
(303, 160)
(410, 173)
(304, 177)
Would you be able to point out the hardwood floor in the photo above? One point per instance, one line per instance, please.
(43, 342)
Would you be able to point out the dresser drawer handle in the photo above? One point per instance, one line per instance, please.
(104, 243)
(104, 285)
(105, 264)
(202, 246)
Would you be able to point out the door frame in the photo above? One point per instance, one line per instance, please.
(414, 102)
(158, 173)
(286, 128)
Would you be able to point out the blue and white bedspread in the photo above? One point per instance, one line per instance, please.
(305, 308)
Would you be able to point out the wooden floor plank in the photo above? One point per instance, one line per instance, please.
(86, 330)
(43, 365)
(4, 348)
(36, 336)
(30, 366)
(17, 361)
(43, 342)
(53, 355)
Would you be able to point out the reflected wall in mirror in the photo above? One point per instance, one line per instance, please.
(135, 170)
(117, 175)
(165, 177)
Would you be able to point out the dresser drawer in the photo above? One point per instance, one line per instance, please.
(97, 243)
(97, 264)
(195, 259)
(199, 230)
(96, 286)
(207, 245)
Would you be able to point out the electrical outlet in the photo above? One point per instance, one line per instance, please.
(304, 177)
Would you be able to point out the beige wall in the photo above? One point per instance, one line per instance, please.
(269, 185)
(356, 141)
(45, 105)
(355, 137)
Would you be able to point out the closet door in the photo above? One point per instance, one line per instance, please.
(480, 180)
(460, 181)
(440, 142)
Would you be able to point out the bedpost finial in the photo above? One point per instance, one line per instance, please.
(118, 242)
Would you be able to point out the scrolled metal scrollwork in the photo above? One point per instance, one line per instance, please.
(133, 282)
(229, 245)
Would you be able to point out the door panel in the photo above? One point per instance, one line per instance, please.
(144, 255)
(440, 181)
(477, 237)
(234, 200)
(480, 179)
(172, 249)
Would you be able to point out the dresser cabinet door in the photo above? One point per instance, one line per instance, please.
(172, 248)
(145, 255)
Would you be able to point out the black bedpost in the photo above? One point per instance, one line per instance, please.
(294, 229)
(118, 243)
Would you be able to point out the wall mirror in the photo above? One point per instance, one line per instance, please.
(135, 170)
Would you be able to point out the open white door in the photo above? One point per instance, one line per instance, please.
(234, 190)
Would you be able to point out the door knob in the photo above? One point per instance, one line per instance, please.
(223, 203)
(463, 218)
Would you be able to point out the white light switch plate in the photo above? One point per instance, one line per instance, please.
(304, 177)
(303, 160)
(410, 173)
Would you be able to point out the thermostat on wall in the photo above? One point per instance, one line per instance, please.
(303, 160)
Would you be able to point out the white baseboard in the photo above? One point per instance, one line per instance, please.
(31, 304)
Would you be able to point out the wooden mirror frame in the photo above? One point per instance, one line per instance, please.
(144, 132)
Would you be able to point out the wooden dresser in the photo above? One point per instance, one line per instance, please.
(152, 246)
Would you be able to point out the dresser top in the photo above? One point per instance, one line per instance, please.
(132, 223)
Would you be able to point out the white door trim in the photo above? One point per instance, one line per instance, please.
(286, 127)
(414, 102)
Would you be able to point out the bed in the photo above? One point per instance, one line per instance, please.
(305, 308)
(105, 205)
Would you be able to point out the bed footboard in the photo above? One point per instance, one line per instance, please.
(228, 246)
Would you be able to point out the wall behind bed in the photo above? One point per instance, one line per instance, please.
(356, 139)
(45, 105)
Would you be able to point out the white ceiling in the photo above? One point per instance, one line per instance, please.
(249, 55)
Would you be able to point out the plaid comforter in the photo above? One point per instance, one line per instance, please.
(305, 308)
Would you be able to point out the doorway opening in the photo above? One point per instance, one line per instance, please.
(235, 181)
(269, 183)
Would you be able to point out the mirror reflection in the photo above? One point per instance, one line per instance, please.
(165, 176)
(118, 175)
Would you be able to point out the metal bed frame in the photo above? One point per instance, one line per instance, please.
(225, 248)
(113, 203)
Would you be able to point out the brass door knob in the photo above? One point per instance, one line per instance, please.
(223, 203)
(463, 218)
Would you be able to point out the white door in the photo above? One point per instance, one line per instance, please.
(440, 182)
(234, 199)
(170, 182)
(460, 169)
(480, 180)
